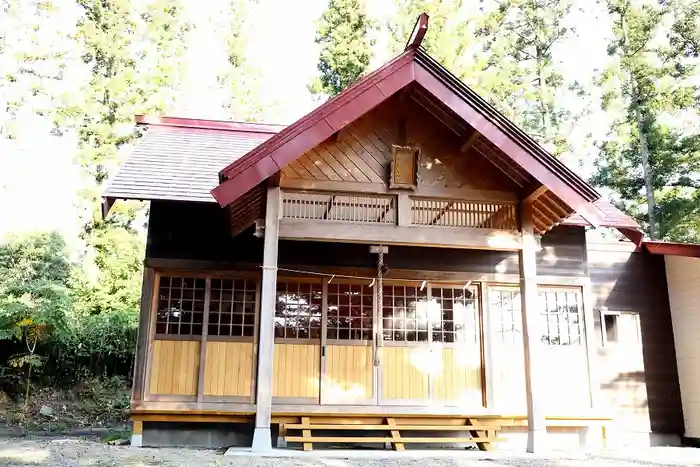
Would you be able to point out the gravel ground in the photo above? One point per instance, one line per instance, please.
(57, 452)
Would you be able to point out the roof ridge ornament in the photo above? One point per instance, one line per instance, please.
(418, 33)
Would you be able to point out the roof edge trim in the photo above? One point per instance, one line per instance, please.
(182, 122)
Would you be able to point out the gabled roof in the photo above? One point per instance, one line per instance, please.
(412, 66)
(179, 159)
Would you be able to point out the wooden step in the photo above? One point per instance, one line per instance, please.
(397, 427)
(383, 439)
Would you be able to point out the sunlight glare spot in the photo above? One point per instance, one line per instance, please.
(25, 455)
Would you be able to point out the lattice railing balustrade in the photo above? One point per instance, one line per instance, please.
(384, 209)
(463, 213)
(358, 208)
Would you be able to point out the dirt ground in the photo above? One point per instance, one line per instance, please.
(65, 452)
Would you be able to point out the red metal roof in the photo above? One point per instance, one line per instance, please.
(414, 65)
(674, 249)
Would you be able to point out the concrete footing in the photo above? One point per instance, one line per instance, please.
(137, 440)
(262, 439)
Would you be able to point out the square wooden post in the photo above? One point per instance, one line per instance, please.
(536, 425)
(262, 439)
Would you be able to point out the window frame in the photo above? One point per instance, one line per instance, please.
(475, 287)
(604, 312)
(543, 313)
(476, 290)
(301, 340)
(207, 277)
(372, 317)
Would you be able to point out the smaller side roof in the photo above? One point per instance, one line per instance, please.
(179, 159)
(690, 250)
(611, 217)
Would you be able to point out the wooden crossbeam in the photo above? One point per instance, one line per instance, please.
(533, 191)
(395, 435)
(488, 434)
(320, 426)
(469, 142)
(383, 215)
(442, 212)
(502, 215)
(329, 207)
(384, 439)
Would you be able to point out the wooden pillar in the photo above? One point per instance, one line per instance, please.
(536, 426)
(262, 440)
(147, 294)
(403, 202)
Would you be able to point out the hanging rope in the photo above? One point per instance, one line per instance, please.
(376, 279)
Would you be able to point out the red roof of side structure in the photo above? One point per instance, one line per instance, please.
(673, 249)
(412, 66)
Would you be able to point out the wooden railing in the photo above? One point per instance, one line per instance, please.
(359, 208)
(462, 213)
(398, 210)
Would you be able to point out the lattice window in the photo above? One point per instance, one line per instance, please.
(232, 308)
(298, 310)
(506, 316)
(456, 318)
(561, 315)
(349, 312)
(405, 314)
(180, 306)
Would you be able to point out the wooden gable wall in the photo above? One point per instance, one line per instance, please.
(361, 153)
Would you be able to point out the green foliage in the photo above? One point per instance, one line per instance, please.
(34, 278)
(59, 328)
(450, 37)
(346, 48)
(652, 155)
(521, 75)
(238, 80)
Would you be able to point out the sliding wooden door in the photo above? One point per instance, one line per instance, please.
(349, 375)
(404, 357)
(455, 344)
(297, 355)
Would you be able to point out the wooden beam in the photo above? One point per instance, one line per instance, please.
(469, 142)
(537, 428)
(442, 212)
(329, 207)
(403, 207)
(442, 237)
(382, 188)
(533, 191)
(203, 342)
(418, 33)
(262, 440)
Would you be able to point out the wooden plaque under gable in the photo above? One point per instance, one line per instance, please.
(404, 167)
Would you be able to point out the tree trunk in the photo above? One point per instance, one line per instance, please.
(646, 171)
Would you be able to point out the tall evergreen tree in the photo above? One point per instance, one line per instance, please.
(133, 52)
(521, 75)
(238, 81)
(343, 35)
(648, 159)
(450, 38)
(31, 72)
